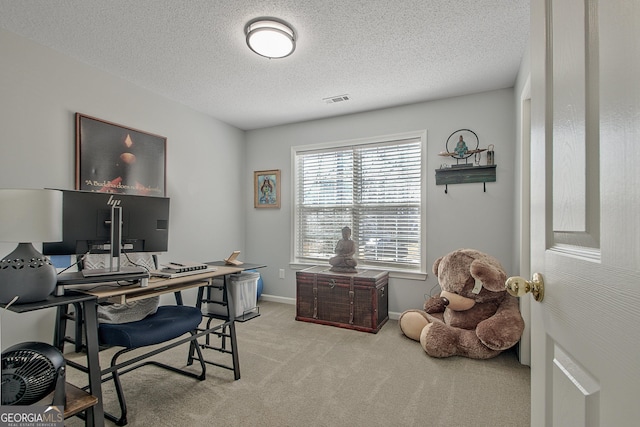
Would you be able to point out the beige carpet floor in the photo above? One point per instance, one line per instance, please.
(303, 374)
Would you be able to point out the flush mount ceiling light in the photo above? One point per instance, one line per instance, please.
(270, 37)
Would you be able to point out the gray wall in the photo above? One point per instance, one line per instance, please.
(465, 217)
(211, 164)
(41, 90)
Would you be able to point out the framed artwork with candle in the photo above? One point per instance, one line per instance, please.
(113, 158)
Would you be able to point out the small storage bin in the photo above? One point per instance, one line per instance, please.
(244, 292)
(242, 289)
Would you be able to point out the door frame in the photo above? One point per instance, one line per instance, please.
(522, 224)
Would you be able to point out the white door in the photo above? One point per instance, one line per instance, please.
(585, 212)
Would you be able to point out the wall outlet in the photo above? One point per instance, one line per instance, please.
(281, 272)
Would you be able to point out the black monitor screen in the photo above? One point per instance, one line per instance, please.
(86, 218)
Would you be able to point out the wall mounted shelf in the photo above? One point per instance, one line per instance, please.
(465, 174)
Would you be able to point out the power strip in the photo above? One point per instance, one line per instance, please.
(179, 267)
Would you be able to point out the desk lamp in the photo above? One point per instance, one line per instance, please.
(28, 215)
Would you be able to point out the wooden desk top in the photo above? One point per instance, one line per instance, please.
(158, 286)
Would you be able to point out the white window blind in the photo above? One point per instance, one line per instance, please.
(374, 188)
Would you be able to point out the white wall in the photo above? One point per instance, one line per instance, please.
(465, 217)
(41, 90)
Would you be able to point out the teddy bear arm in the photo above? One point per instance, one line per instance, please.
(441, 340)
(502, 330)
(434, 305)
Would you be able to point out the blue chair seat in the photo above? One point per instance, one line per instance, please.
(169, 322)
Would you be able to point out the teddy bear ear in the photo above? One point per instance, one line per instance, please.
(492, 278)
(435, 266)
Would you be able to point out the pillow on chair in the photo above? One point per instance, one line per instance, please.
(138, 259)
(131, 311)
(128, 312)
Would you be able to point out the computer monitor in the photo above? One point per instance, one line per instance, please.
(90, 225)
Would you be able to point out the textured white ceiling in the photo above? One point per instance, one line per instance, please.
(381, 53)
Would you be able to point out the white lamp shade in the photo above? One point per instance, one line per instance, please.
(30, 215)
(270, 38)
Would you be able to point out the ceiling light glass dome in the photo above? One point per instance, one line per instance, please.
(270, 37)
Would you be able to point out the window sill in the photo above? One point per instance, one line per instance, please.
(394, 274)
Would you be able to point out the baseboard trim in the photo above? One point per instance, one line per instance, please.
(275, 298)
(393, 315)
(284, 300)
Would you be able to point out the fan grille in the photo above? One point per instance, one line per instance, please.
(27, 376)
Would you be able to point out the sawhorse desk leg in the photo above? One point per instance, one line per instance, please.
(232, 329)
(95, 414)
(228, 322)
(234, 350)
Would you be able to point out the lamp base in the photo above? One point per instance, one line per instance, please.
(27, 274)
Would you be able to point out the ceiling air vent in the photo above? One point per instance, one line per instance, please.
(334, 99)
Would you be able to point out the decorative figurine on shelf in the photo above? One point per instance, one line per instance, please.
(461, 148)
(491, 159)
(343, 261)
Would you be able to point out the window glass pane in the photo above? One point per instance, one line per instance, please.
(375, 189)
(327, 179)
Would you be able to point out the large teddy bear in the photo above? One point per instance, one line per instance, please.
(473, 316)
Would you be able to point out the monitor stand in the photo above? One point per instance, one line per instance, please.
(115, 249)
(101, 272)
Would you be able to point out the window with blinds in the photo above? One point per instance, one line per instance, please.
(375, 188)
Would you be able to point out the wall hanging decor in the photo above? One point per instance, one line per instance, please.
(461, 146)
(117, 159)
(266, 189)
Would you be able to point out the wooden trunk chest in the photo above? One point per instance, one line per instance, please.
(349, 300)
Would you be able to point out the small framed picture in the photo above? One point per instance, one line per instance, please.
(266, 189)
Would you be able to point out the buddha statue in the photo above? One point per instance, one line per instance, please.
(343, 261)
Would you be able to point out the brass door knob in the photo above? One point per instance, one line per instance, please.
(519, 286)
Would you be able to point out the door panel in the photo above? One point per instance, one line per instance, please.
(578, 393)
(585, 212)
(569, 118)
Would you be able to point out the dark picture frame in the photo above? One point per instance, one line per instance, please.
(266, 189)
(112, 158)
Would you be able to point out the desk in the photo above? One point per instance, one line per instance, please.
(244, 266)
(95, 413)
(122, 294)
(159, 286)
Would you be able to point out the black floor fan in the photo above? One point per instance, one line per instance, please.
(31, 371)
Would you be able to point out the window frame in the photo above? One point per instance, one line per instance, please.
(421, 135)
